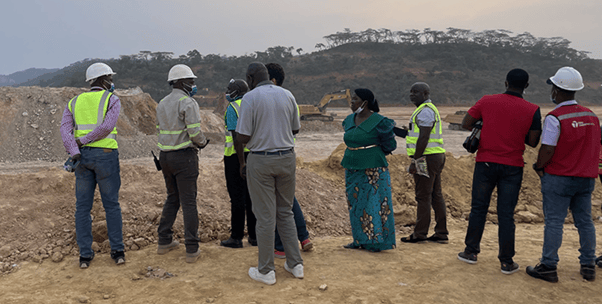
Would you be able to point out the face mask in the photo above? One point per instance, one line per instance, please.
(360, 109)
(112, 88)
(552, 98)
(230, 97)
(193, 89)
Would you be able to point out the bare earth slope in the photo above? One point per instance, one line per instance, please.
(38, 253)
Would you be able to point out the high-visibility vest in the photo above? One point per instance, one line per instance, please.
(435, 143)
(89, 110)
(229, 144)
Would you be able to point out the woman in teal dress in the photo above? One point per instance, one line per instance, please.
(369, 137)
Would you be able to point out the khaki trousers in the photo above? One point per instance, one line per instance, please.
(271, 183)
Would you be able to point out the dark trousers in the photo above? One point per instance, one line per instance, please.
(240, 200)
(508, 180)
(302, 233)
(428, 195)
(181, 171)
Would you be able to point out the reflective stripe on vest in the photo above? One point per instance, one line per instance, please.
(435, 143)
(88, 114)
(229, 144)
(173, 135)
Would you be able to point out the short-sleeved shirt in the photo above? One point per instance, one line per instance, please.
(231, 118)
(269, 115)
(507, 119)
(426, 117)
(551, 126)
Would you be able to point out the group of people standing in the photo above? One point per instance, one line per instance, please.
(567, 165)
(261, 121)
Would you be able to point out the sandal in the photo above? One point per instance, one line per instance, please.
(352, 245)
(85, 262)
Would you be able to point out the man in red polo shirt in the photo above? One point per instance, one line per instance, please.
(509, 122)
(568, 166)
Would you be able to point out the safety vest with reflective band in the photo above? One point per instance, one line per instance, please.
(576, 153)
(229, 145)
(89, 110)
(435, 143)
(173, 132)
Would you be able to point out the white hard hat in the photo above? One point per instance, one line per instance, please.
(567, 78)
(98, 69)
(180, 71)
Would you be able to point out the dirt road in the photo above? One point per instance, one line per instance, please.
(412, 273)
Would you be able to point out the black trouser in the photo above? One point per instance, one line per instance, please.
(508, 180)
(181, 171)
(428, 195)
(239, 199)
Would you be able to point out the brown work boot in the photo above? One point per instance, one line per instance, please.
(163, 249)
(192, 257)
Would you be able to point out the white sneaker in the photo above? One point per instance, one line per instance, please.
(269, 278)
(297, 271)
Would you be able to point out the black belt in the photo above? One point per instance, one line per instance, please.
(180, 150)
(291, 150)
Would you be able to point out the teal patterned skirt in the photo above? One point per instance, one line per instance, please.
(370, 208)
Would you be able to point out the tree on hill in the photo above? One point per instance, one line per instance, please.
(460, 65)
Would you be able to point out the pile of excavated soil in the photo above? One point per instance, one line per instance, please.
(30, 120)
(38, 211)
(37, 208)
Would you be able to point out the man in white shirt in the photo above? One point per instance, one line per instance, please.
(268, 120)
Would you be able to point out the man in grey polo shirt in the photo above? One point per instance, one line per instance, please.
(268, 119)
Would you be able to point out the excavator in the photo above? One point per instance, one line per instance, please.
(318, 111)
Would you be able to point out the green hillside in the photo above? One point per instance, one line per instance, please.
(459, 65)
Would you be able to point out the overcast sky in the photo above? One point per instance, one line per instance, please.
(55, 33)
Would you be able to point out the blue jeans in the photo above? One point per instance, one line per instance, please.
(561, 193)
(302, 233)
(97, 166)
(508, 180)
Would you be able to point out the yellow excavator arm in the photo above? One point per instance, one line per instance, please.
(327, 98)
(318, 111)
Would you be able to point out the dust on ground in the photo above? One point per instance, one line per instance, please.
(38, 252)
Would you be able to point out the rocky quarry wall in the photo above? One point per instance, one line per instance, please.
(30, 120)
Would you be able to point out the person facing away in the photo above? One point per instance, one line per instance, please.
(567, 164)
(89, 133)
(276, 75)
(268, 119)
(180, 139)
(509, 122)
(369, 138)
(240, 200)
(599, 258)
(425, 139)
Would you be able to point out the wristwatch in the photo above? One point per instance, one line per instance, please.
(537, 169)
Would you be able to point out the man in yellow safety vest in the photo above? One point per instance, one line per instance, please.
(88, 130)
(237, 187)
(424, 144)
